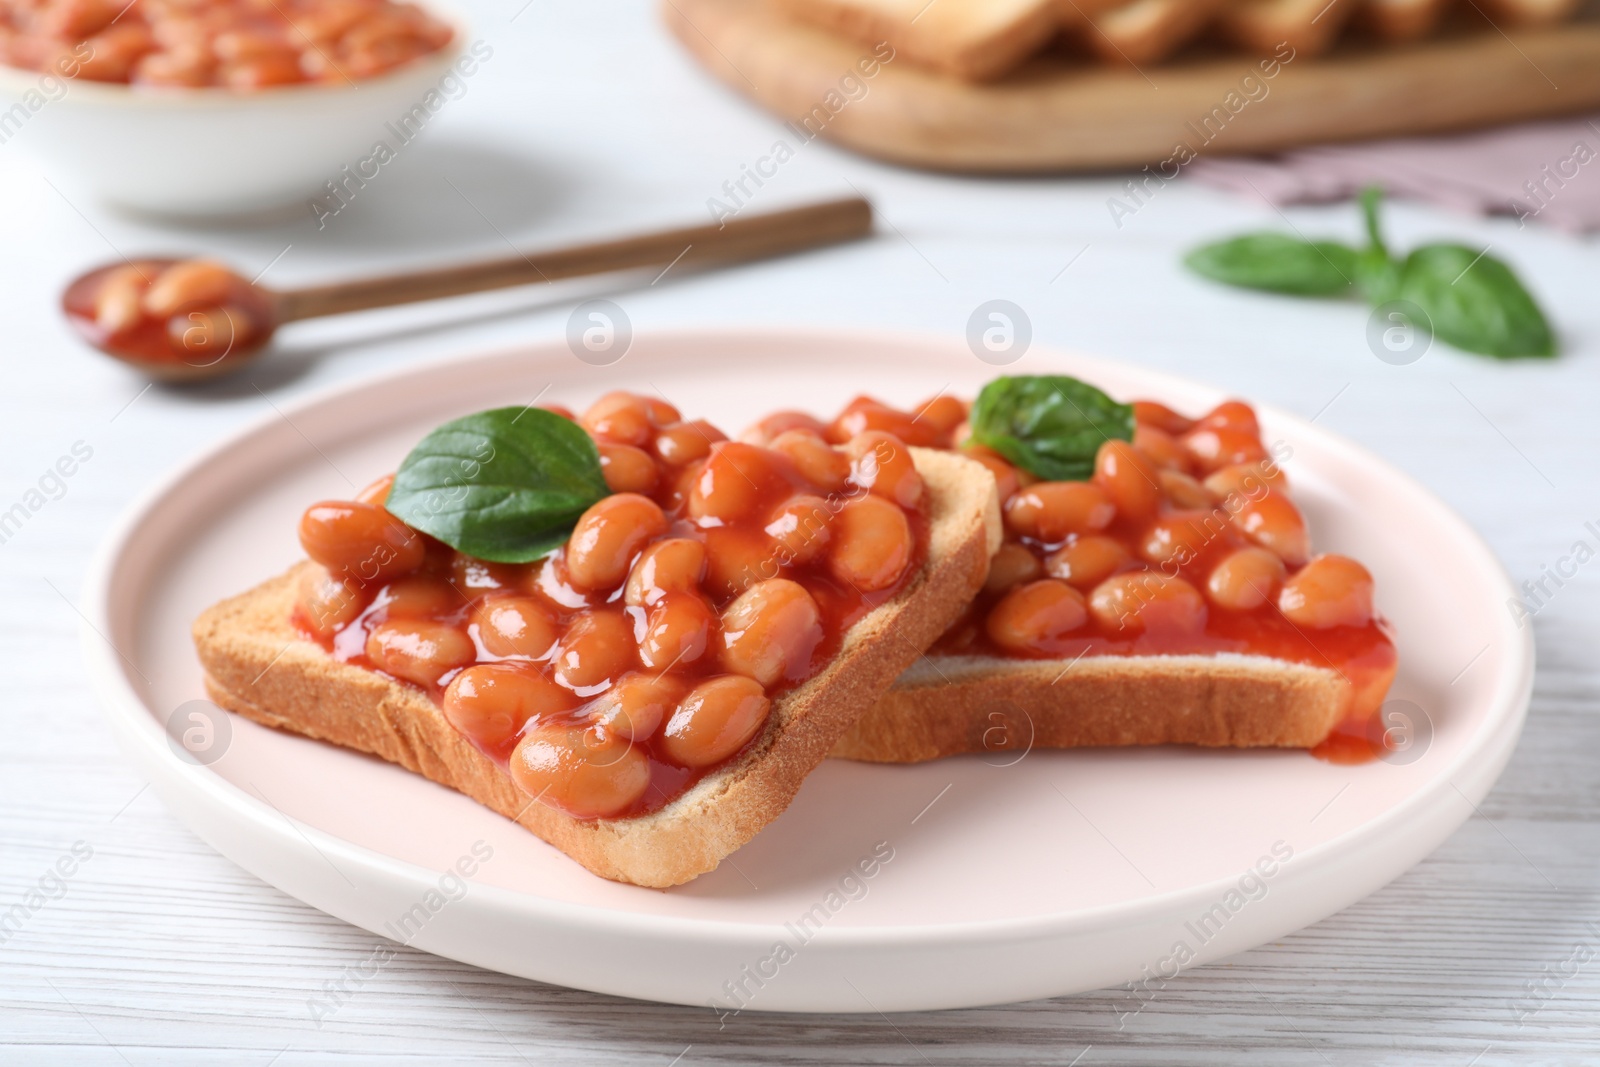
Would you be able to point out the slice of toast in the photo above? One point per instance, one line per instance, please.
(1145, 31)
(1072, 13)
(977, 40)
(1307, 26)
(1529, 12)
(948, 705)
(258, 665)
(1400, 20)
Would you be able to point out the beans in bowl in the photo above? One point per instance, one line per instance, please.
(236, 44)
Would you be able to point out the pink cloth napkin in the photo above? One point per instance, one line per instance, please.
(1545, 172)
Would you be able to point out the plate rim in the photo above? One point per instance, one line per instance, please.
(134, 723)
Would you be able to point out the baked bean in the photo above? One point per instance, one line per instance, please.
(1212, 448)
(1129, 480)
(686, 442)
(186, 67)
(365, 37)
(1011, 566)
(677, 631)
(419, 596)
(621, 418)
(1273, 522)
(882, 464)
(597, 648)
(818, 462)
(1327, 592)
(1138, 601)
(233, 45)
(213, 331)
(628, 469)
(491, 702)
(1160, 448)
(584, 770)
(71, 19)
(114, 51)
(682, 481)
(377, 493)
(360, 542)
(737, 558)
(180, 31)
(1245, 580)
(1234, 415)
(1033, 617)
(670, 566)
(799, 527)
(1050, 511)
(1180, 536)
(119, 305)
(560, 409)
(188, 284)
(716, 719)
(607, 537)
(474, 576)
(1085, 562)
(735, 480)
(872, 544)
(514, 626)
(1248, 479)
(1005, 475)
(419, 650)
(1161, 417)
(325, 604)
(770, 632)
(661, 413)
(779, 423)
(329, 21)
(548, 580)
(864, 413)
(944, 413)
(636, 705)
(1185, 492)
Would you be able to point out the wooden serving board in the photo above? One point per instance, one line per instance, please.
(1064, 113)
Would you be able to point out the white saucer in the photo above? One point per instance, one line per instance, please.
(994, 880)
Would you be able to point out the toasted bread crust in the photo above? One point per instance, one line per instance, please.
(1146, 31)
(1400, 20)
(258, 665)
(977, 40)
(1308, 27)
(947, 705)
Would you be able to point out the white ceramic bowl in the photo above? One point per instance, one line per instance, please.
(202, 153)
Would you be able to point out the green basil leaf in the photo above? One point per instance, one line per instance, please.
(1278, 264)
(1475, 302)
(1051, 426)
(1371, 197)
(505, 485)
(1377, 276)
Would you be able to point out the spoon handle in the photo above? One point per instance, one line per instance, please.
(737, 239)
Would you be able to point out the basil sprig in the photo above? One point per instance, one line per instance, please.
(505, 485)
(1278, 264)
(1470, 299)
(1051, 426)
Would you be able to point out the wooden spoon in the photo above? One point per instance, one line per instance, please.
(190, 320)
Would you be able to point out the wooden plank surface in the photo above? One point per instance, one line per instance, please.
(1061, 114)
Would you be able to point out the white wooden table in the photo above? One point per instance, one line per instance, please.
(587, 120)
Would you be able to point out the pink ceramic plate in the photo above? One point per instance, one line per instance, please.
(992, 879)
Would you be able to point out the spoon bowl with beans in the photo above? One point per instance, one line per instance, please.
(188, 320)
